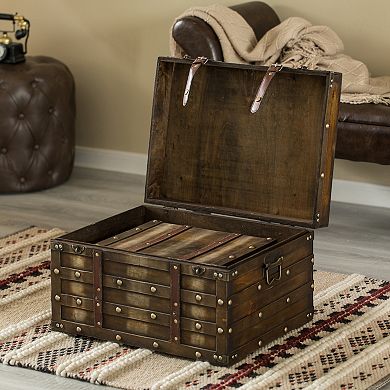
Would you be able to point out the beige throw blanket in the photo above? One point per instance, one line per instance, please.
(294, 42)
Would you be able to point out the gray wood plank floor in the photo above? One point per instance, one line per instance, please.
(357, 240)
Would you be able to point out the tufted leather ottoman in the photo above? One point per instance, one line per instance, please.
(37, 124)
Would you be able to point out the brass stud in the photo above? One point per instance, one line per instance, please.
(312, 260)
(288, 300)
(60, 246)
(220, 357)
(62, 326)
(147, 243)
(322, 175)
(57, 298)
(97, 254)
(175, 267)
(220, 302)
(137, 229)
(118, 309)
(215, 357)
(215, 274)
(175, 321)
(56, 246)
(153, 316)
(155, 345)
(198, 326)
(312, 285)
(99, 323)
(78, 329)
(232, 257)
(260, 314)
(56, 271)
(259, 343)
(155, 220)
(259, 287)
(220, 275)
(98, 289)
(230, 330)
(230, 302)
(57, 325)
(175, 304)
(285, 329)
(97, 304)
(308, 315)
(153, 289)
(287, 272)
(119, 282)
(198, 354)
(78, 301)
(77, 274)
(327, 125)
(220, 330)
(251, 247)
(269, 238)
(176, 338)
(198, 297)
(118, 338)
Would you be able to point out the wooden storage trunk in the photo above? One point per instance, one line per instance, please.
(219, 259)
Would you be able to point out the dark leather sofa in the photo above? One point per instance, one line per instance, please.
(363, 129)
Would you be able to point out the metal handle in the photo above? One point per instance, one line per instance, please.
(194, 67)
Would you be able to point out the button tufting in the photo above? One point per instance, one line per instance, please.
(21, 115)
(36, 147)
(4, 150)
(22, 180)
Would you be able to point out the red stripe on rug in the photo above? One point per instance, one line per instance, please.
(293, 342)
(14, 278)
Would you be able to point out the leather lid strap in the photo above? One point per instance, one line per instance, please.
(265, 82)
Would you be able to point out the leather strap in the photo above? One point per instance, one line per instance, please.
(175, 302)
(98, 287)
(265, 82)
(194, 67)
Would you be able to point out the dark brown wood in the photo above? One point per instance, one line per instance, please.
(204, 284)
(217, 156)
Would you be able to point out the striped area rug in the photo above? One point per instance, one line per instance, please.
(346, 346)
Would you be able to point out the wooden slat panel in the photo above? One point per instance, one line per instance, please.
(194, 283)
(76, 288)
(71, 260)
(198, 340)
(77, 315)
(201, 313)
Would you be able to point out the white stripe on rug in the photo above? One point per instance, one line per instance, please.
(125, 361)
(65, 368)
(13, 267)
(21, 326)
(172, 380)
(31, 240)
(314, 349)
(354, 363)
(12, 357)
(27, 291)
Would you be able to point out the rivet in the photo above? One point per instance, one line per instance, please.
(78, 329)
(260, 314)
(220, 330)
(259, 343)
(155, 345)
(230, 302)
(288, 300)
(220, 357)
(198, 354)
(175, 321)
(287, 272)
(147, 243)
(78, 301)
(215, 357)
(57, 325)
(97, 304)
(175, 304)
(310, 237)
(220, 275)
(269, 238)
(285, 329)
(312, 285)
(77, 274)
(118, 338)
(327, 126)
(56, 271)
(57, 297)
(119, 282)
(231, 256)
(153, 316)
(259, 287)
(251, 247)
(97, 254)
(230, 330)
(220, 302)
(155, 220)
(62, 326)
(153, 289)
(312, 260)
(318, 220)
(322, 175)
(60, 246)
(176, 338)
(98, 289)
(198, 297)
(175, 267)
(56, 246)
(215, 274)
(99, 323)
(198, 326)
(270, 74)
(118, 309)
(308, 315)
(137, 229)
